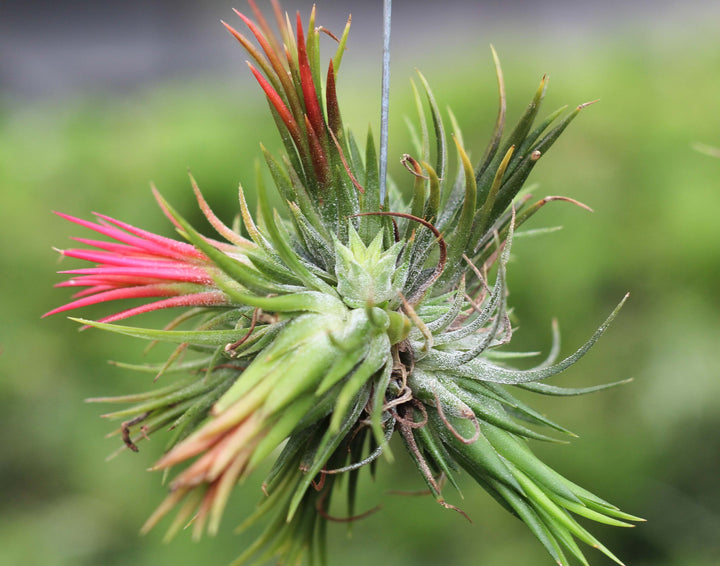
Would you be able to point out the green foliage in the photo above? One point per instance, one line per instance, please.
(345, 335)
(605, 261)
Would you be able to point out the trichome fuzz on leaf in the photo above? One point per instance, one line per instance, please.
(343, 319)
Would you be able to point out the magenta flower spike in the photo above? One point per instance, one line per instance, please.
(140, 265)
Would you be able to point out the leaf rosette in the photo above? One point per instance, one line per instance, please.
(323, 329)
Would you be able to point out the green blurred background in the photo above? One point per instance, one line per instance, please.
(92, 143)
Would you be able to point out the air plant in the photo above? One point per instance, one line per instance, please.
(316, 333)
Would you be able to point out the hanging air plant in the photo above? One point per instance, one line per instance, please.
(353, 314)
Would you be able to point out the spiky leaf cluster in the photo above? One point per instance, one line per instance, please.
(327, 327)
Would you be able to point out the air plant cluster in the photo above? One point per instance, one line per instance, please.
(316, 333)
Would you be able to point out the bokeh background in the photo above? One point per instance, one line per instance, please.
(97, 99)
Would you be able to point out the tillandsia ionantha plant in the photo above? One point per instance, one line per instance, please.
(316, 333)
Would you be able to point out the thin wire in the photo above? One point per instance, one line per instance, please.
(385, 103)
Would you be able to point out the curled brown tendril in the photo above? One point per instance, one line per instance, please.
(413, 166)
(320, 507)
(125, 430)
(450, 427)
(241, 341)
(355, 182)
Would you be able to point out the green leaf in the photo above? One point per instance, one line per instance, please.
(483, 217)
(515, 450)
(439, 324)
(557, 515)
(492, 412)
(546, 389)
(458, 241)
(583, 511)
(375, 359)
(288, 255)
(500, 120)
(440, 142)
(370, 199)
(535, 523)
(484, 371)
(337, 59)
(487, 171)
(197, 337)
(328, 444)
(286, 423)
